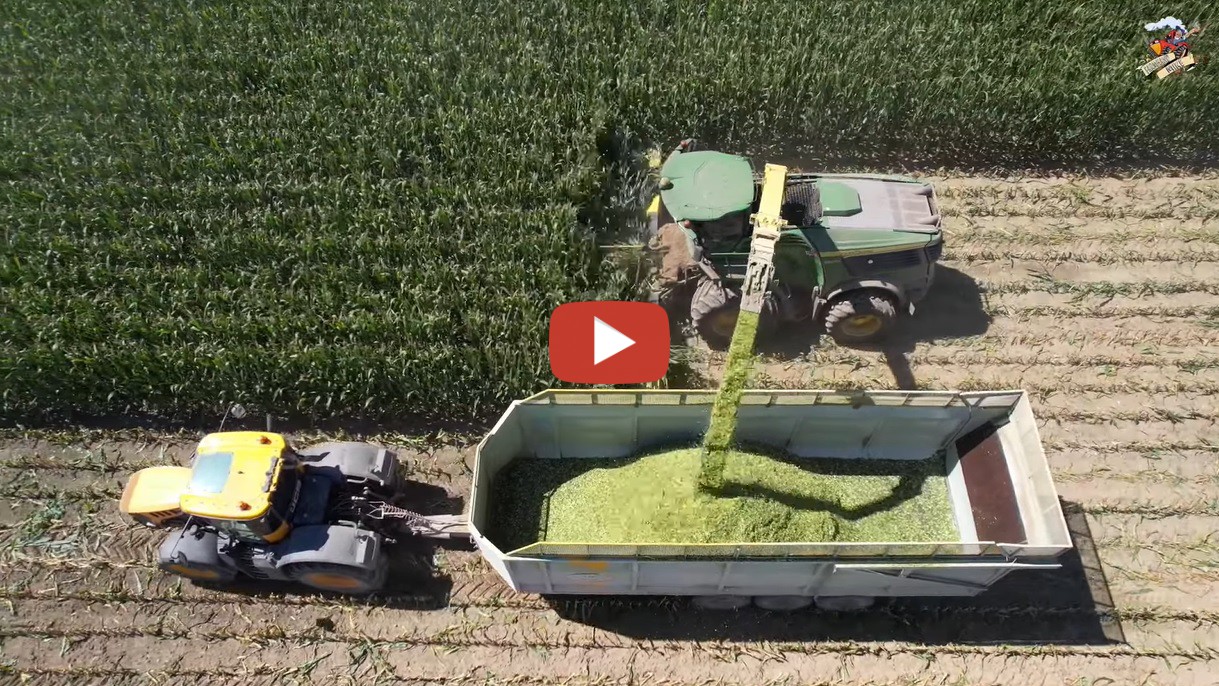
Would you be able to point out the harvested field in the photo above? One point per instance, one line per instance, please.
(1117, 348)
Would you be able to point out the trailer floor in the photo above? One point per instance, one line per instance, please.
(653, 498)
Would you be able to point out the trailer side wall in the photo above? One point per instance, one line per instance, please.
(892, 425)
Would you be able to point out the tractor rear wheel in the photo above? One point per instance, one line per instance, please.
(337, 578)
(862, 317)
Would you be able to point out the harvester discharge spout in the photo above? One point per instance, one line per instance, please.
(768, 223)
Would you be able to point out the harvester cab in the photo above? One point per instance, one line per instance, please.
(251, 505)
(849, 250)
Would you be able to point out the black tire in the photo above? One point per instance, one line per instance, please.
(861, 317)
(338, 578)
(713, 312)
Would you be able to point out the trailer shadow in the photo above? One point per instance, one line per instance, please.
(1068, 606)
(953, 308)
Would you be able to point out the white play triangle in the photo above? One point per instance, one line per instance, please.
(607, 341)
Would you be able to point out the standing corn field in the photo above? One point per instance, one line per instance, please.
(325, 208)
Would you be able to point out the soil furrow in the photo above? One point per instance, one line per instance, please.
(510, 628)
(704, 665)
(1090, 251)
(1092, 306)
(1046, 381)
(972, 232)
(965, 353)
(1017, 275)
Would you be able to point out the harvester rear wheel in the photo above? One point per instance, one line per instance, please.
(862, 317)
(338, 578)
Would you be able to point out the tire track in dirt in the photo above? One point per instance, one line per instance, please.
(512, 627)
(1118, 305)
(655, 664)
(1047, 381)
(1024, 232)
(1080, 198)
(1089, 251)
(1019, 276)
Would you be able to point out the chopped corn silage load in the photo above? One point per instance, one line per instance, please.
(765, 498)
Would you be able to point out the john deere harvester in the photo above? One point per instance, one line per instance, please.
(855, 250)
(251, 505)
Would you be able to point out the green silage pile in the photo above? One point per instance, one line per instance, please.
(765, 498)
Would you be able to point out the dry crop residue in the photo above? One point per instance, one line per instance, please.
(1101, 298)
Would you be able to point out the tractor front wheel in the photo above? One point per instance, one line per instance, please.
(713, 312)
(864, 317)
(337, 578)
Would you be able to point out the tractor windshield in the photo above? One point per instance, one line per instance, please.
(244, 531)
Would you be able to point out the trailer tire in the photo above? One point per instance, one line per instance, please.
(860, 317)
(337, 578)
(782, 603)
(720, 602)
(844, 603)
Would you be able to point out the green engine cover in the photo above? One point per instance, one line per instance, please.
(706, 185)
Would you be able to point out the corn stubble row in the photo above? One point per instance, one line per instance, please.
(371, 207)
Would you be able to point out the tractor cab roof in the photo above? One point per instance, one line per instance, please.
(706, 185)
(234, 475)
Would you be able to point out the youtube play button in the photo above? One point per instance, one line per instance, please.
(609, 342)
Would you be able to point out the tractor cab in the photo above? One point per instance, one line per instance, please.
(244, 483)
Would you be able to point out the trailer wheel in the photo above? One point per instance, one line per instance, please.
(860, 317)
(782, 603)
(720, 602)
(328, 576)
(844, 603)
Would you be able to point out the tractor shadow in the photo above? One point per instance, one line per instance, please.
(954, 308)
(1067, 606)
(415, 581)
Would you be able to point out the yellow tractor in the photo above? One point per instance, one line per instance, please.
(251, 505)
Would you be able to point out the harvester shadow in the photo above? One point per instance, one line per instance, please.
(1066, 606)
(953, 308)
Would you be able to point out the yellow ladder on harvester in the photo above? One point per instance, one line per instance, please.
(768, 223)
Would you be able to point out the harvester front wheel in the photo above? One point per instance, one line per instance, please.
(864, 317)
(337, 578)
(714, 310)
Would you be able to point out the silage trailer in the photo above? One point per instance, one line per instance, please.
(1006, 510)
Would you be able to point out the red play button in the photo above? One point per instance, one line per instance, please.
(609, 342)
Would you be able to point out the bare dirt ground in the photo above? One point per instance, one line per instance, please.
(1100, 297)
